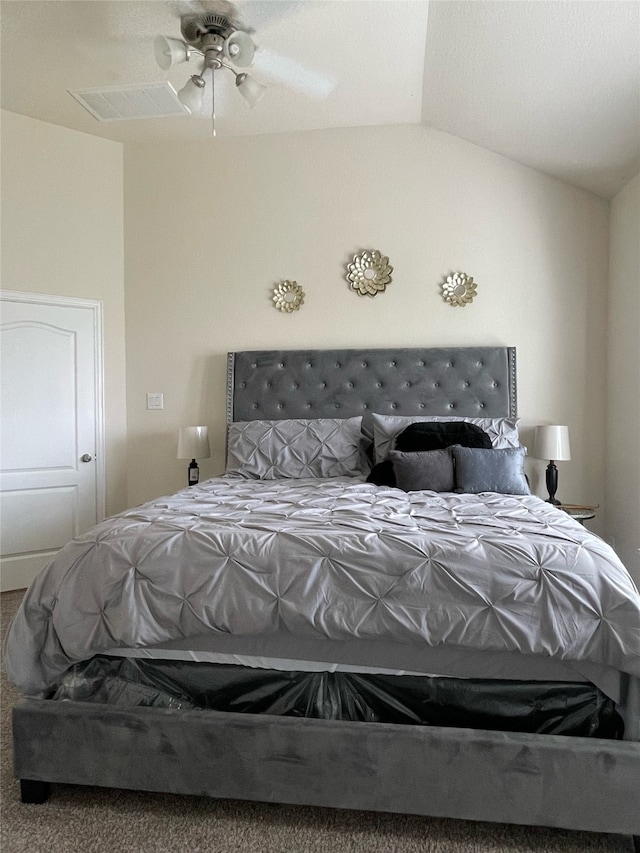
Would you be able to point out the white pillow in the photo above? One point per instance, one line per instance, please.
(503, 432)
(294, 449)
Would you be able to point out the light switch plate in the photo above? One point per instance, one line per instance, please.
(155, 401)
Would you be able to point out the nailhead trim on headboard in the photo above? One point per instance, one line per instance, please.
(457, 381)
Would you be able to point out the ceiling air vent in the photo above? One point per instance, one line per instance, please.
(117, 103)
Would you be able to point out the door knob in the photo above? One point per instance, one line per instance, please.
(86, 457)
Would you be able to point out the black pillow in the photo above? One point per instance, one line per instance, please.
(383, 474)
(437, 435)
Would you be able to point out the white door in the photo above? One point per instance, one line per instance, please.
(51, 447)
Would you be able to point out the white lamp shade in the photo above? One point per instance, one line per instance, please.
(193, 443)
(250, 89)
(552, 442)
(169, 52)
(239, 49)
(192, 95)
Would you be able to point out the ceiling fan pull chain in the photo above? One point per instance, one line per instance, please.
(213, 102)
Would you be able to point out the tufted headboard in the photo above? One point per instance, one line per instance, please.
(343, 383)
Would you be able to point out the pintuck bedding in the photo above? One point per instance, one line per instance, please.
(331, 558)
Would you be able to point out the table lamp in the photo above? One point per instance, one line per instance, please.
(193, 443)
(552, 443)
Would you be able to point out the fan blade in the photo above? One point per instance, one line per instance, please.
(249, 16)
(293, 74)
(259, 15)
(185, 7)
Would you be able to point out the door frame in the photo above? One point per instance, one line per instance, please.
(95, 305)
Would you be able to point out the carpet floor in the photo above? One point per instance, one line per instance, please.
(95, 820)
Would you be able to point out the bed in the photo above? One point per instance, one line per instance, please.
(296, 562)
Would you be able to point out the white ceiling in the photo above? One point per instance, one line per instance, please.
(553, 84)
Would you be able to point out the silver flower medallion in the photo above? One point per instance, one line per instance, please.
(288, 296)
(459, 289)
(369, 273)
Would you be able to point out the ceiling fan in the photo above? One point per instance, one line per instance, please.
(214, 33)
(216, 40)
(219, 40)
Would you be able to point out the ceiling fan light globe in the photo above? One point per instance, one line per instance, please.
(250, 89)
(191, 95)
(170, 52)
(239, 49)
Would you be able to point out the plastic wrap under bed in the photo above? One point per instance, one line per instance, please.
(566, 708)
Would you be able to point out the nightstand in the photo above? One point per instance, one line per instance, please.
(579, 511)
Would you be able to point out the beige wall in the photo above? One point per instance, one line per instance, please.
(623, 425)
(62, 220)
(211, 227)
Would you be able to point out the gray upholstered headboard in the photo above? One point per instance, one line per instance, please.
(457, 381)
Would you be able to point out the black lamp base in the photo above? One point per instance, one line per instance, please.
(552, 483)
(193, 473)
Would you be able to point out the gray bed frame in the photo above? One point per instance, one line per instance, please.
(572, 783)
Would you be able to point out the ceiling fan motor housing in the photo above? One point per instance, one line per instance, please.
(195, 28)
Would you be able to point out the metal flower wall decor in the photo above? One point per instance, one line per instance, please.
(369, 273)
(459, 289)
(288, 296)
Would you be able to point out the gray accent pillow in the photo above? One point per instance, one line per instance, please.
(423, 469)
(295, 449)
(479, 469)
(503, 432)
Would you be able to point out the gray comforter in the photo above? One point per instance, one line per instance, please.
(332, 558)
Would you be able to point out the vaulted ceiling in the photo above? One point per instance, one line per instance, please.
(552, 84)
